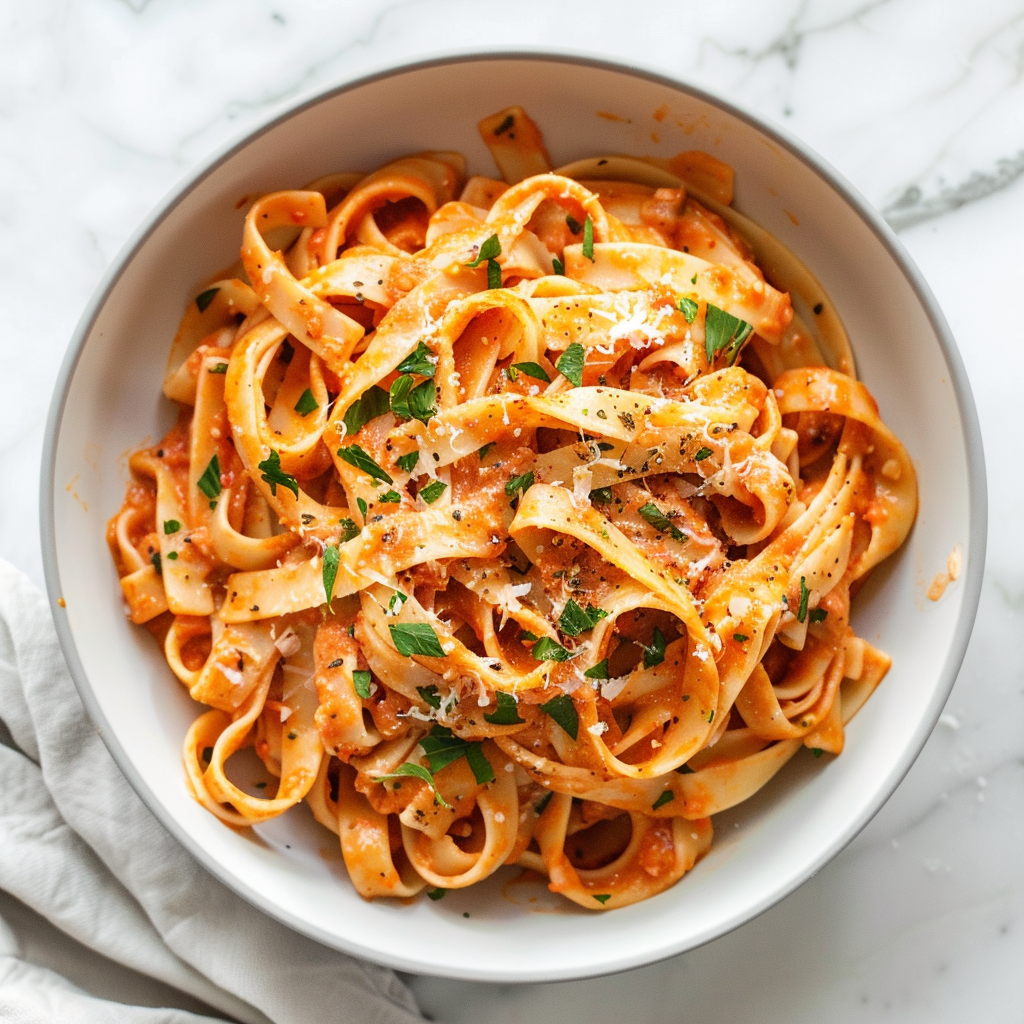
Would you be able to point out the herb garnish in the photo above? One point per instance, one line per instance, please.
(740, 638)
(574, 224)
(601, 495)
(574, 620)
(655, 654)
(546, 649)
(330, 568)
(407, 463)
(361, 682)
(416, 771)
(563, 711)
(599, 671)
(531, 370)
(413, 402)
(418, 362)
(373, 402)
(171, 526)
(666, 798)
(348, 529)
(203, 299)
(355, 456)
(306, 403)
(660, 521)
(485, 449)
(603, 898)
(724, 331)
(390, 498)
(489, 251)
(209, 482)
(558, 266)
(819, 615)
(541, 805)
(442, 747)
(433, 491)
(429, 695)
(688, 307)
(220, 368)
(702, 454)
(412, 638)
(588, 240)
(271, 473)
(519, 483)
(570, 364)
(507, 711)
(804, 597)
(436, 894)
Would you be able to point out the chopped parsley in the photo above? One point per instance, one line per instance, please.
(348, 529)
(220, 368)
(531, 370)
(655, 654)
(570, 364)
(416, 771)
(172, 556)
(413, 402)
(599, 671)
(429, 695)
(355, 456)
(412, 638)
(702, 454)
(819, 615)
(574, 620)
(660, 521)
(740, 638)
(389, 498)
(330, 570)
(601, 495)
(484, 450)
(272, 474)
(563, 711)
(418, 362)
(507, 711)
(171, 526)
(817, 751)
(436, 894)
(433, 491)
(804, 596)
(546, 649)
(724, 331)
(209, 482)
(442, 747)
(588, 240)
(361, 682)
(688, 307)
(603, 898)
(558, 266)
(373, 402)
(155, 561)
(666, 798)
(407, 463)
(518, 484)
(307, 403)
(203, 299)
(574, 224)
(490, 250)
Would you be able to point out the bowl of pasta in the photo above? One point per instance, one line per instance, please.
(505, 496)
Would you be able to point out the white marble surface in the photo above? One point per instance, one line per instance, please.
(920, 103)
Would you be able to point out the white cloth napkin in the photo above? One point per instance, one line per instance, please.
(78, 846)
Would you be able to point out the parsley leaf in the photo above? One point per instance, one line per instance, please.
(660, 521)
(390, 498)
(507, 711)
(330, 569)
(724, 331)
(429, 695)
(418, 362)
(436, 894)
(373, 402)
(804, 596)
(355, 456)
(819, 615)
(702, 454)
(348, 529)
(599, 671)
(558, 266)
(361, 682)
(545, 649)
(306, 403)
(416, 771)
(574, 224)
(209, 482)
(491, 249)
(171, 526)
(219, 368)
(532, 370)
(493, 274)
(433, 491)
(203, 299)
(271, 472)
(601, 495)
(588, 240)
(817, 751)
(442, 747)
(655, 654)
(689, 309)
(740, 638)
(484, 450)
(363, 508)
(407, 463)
(570, 364)
(519, 483)
(603, 898)
(666, 798)
(563, 711)
(574, 620)
(412, 638)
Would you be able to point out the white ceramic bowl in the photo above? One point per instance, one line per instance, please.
(108, 401)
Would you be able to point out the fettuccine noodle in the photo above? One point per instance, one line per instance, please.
(511, 521)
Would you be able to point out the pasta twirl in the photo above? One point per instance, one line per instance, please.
(511, 521)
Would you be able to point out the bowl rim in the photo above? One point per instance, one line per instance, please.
(966, 408)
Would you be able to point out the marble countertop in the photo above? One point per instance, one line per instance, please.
(104, 104)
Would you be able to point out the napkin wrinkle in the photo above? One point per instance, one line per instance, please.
(168, 918)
